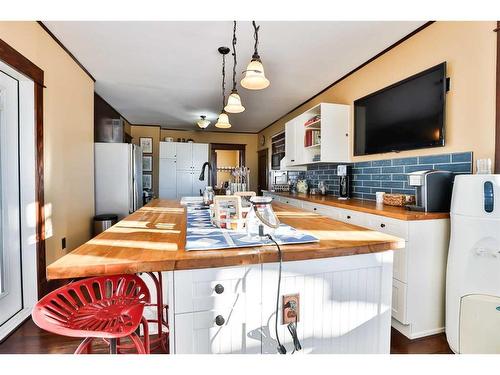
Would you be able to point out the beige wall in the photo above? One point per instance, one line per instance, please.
(151, 131)
(250, 140)
(226, 158)
(469, 48)
(68, 117)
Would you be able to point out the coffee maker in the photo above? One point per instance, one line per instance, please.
(344, 182)
(433, 190)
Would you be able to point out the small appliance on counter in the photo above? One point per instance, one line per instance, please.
(302, 186)
(344, 182)
(280, 187)
(279, 177)
(433, 190)
(322, 187)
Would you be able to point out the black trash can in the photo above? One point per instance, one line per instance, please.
(103, 222)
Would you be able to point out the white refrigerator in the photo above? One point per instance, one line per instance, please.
(118, 178)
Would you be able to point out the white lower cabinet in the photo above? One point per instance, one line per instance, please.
(217, 310)
(344, 306)
(418, 297)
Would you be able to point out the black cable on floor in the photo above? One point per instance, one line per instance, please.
(292, 328)
(281, 349)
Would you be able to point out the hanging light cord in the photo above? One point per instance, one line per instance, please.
(223, 80)
(256, 37)
(234, 56)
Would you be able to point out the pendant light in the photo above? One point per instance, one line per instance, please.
(234, 101)
(203, 123)
(255, 79)
(223, 120)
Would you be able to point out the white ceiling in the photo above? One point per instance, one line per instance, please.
(169, 73)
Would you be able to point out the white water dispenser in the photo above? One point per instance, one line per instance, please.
(473, 273)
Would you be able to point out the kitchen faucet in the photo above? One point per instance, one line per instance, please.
(202, 174)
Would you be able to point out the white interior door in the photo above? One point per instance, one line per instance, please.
(11, 300)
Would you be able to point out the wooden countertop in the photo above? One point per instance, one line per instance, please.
(370, 207)
(153, 239)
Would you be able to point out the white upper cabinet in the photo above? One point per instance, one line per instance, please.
(319, 135)
(180, 168)
(200, 155)
(167, 150)
(185, 156)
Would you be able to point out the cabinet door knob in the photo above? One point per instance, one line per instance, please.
(219, 289)
(348, 216)
(314, 208)
(382, 225)
(219, 320)
(292, 160)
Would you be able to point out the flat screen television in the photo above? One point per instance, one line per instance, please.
(404, 116)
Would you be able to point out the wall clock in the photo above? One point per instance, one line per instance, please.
(262, 140)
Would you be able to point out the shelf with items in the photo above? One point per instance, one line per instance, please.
(314, 125)
(319, 135)
(314, 146)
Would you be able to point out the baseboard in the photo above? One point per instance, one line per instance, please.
(406, 330)
(10, 326)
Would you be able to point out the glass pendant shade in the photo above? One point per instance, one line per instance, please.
(203, 123)
(255, 79)
(223, 121)
(234, 103)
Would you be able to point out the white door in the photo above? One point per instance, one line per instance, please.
(184, 184)
(184, 152)
(200, 156)
(168, 179)
(10, 247)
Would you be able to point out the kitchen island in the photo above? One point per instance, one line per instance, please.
(343, 281)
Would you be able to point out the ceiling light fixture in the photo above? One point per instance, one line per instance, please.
(255, 79)
(223, 120)
(234, 101)
(203, 123)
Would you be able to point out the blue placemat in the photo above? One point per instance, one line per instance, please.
(203, 235)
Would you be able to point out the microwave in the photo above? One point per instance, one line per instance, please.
(279, 177)
(276, 160)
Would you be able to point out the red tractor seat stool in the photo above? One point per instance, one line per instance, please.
(108, 307)
(161, 320)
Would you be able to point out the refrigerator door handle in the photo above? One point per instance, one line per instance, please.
(131, 186)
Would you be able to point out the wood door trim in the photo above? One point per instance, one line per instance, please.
(497, 111)
(224, 146)
(23, 65)
(264, 152)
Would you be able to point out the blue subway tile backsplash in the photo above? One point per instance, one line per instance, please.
(388, 175)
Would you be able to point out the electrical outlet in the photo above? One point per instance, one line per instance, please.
(63, 243)
(290, 308)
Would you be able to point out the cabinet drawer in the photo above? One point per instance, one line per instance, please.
(212, 288)
(200, 332)
(352, 217)
(318, 208)
(398, 228)
(399, 301)
(292, 202)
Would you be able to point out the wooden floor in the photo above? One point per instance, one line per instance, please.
(29, 339)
